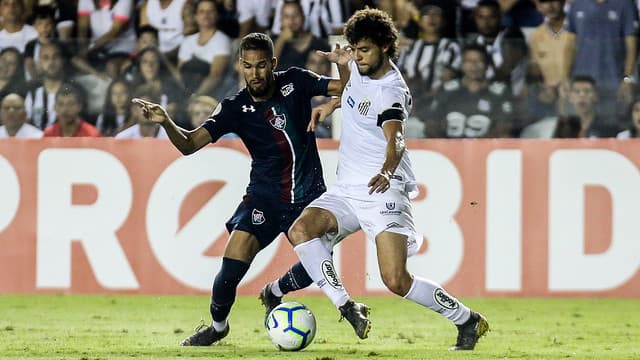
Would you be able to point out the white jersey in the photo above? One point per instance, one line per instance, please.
(26, 131)
(168, 22)
(362, 143)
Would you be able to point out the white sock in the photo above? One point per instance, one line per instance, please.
(275, 288)
(318, 262)
(429, 294)
(220, 325)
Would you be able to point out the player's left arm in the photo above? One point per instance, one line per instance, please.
(393, 130)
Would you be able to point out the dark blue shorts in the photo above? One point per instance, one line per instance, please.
(264, 218)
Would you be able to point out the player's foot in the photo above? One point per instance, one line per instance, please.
(205, 336)
(470, 332)
(269, 300)
(356, 314)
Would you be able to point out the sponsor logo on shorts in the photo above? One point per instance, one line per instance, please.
(445, 300)
(330, 275)
(390, 209)
(393, 225)
(257, 217)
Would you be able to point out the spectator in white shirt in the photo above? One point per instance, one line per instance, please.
(13, 116)
(15, 33)
(204, 56)
(143, 127)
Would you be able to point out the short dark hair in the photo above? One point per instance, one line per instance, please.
(43, 12)
(584, 78)
(146, 29)
(375, 25)
(70, 89)
(478, 48)
(493, 4)
(257, 41)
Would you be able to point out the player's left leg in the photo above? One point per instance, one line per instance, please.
(239, 253)
(392, 259)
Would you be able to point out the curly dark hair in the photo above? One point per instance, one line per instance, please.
(375, 25)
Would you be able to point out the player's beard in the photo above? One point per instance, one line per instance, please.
(373, 68)
(261, 92)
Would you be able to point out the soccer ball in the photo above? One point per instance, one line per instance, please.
(291, 326)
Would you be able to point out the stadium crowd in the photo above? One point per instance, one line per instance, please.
(476, 68)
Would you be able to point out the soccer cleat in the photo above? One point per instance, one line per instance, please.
(356, 314)
(269, 300)
(205, 336)
(470, 332)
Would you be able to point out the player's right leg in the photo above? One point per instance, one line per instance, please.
(239, 253)
(305, 235)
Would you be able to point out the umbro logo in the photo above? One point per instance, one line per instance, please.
(249, 108)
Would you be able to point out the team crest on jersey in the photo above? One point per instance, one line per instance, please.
(363, 106)
(278, 121)
(287, 89)
(249, 108)
(257, 217)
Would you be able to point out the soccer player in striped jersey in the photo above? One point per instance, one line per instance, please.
(374, 184)
(270, 115)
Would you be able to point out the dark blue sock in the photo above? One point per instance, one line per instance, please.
(225, 286)
(294, 279)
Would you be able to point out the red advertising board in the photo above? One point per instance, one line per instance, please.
(500, 217)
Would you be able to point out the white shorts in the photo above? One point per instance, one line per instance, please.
(355, 209)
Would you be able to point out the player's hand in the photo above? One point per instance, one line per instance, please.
(318, 114)
(340, 56)
(379, 183)
(151, 111)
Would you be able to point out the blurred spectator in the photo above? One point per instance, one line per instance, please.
(228, 18)
(200, 108)
(12, 72)
(322, 17)
(204, 56)
(471, 107)
(550, 58)
(143, 127)
(40, 99)
(567, 127)
(583, 99)
(13, 118)
(107, 29)
(320, 65)
(520, 13)
(254, 15)
(44, 23)
(116, 113)
(294, 44)
(66, 16)
(493, 37)
(166, 17)
(632, 121)
(151, 69)
(69, 105)
(604, 34)
(15, 33)
(431, 60)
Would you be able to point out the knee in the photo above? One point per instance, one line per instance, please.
(298, 232)
(398, 282)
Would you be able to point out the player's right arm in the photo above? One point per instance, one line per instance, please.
(186, 141)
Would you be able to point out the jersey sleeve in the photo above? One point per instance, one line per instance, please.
(311, 82)
(220, 122)
(394, 105)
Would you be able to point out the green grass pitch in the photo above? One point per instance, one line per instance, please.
(150, 327)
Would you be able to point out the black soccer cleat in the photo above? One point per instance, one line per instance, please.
(269, 301)
(356, 314)
(205, 336)
(470, 332)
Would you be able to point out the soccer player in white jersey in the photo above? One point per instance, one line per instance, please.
(374, 183)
